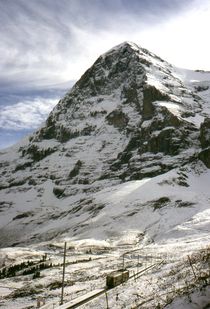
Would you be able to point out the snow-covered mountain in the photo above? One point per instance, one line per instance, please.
(127, 150)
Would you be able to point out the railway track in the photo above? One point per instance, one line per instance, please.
(77, 302)
(82, 299)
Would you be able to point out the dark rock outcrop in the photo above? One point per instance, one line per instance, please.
(204, 156)
(205, 133)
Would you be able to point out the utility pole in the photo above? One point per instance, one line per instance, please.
(123, 261)
(64, 265)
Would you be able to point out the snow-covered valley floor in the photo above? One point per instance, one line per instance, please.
(184, 271)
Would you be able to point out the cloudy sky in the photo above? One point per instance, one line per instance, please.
(47, 44)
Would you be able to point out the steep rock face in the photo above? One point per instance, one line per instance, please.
(129, 117)
(117, 75)
(121, 92)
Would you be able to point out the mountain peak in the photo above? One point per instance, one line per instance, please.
(132, 47)
(128, 117)
(112, 69)
(123, 45)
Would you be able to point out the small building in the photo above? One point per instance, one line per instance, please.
(117, 277)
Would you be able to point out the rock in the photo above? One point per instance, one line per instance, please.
(205, 133)
(204, 156)
(118, 119)
(151, 94)
(75, 171)
(36, 153)
(58, 191)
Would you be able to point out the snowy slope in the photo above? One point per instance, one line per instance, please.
(122, 163)
(121, 151)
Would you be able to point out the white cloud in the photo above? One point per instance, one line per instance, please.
(53, 41)
(26, 115)
(183, 40)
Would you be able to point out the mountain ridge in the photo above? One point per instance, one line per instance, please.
(130, 117)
